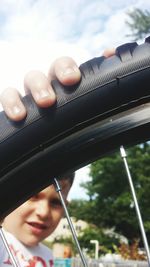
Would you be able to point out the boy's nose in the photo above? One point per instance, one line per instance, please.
(43, 210)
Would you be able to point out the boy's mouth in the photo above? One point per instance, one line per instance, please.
(36, 225)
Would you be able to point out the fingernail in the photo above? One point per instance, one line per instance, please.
(52, 93)
(70, 71)
(41, 94)
(15, 110)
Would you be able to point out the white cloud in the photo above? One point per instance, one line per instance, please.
(16, 58)
(78, 192)
(34, 32)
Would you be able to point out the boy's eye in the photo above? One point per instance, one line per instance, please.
(56, 203)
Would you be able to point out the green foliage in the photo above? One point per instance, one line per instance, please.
(80, 209)
(111, 203)
(106, 242)
(139, 23)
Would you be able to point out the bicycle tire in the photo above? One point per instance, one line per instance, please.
(106, 109)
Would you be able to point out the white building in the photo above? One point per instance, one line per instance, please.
(63, 229)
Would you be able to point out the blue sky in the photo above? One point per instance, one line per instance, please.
(33, 33)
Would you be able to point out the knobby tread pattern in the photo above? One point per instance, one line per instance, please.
(33, 149)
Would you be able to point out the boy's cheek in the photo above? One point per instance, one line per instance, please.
(60, 214)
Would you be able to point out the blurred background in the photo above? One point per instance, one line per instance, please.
(32, 34)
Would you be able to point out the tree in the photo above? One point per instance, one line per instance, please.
(112, 204)
(139, 23)
(80, 209)
(106, 241)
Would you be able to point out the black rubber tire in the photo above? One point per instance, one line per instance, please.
(108, 108)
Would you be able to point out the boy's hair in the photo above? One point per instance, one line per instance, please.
(69, 176)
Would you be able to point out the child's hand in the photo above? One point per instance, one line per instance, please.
(39, 85)
(64, 69)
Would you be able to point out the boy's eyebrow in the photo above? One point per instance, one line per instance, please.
(39, 194)
(55, 200)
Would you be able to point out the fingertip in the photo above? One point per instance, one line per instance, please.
(12, 104)
(16, 113)
(109, 52)
(65, 70)
(39, 86)
(45, 98)
(70, 75)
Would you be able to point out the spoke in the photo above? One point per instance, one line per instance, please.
(124, 156)
(58, 189)
(4, 239)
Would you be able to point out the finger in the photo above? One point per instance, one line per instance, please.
(65, 70)
(109, 52)
(38, 85)
(12, 104)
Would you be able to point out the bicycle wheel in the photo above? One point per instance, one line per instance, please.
(109, 107)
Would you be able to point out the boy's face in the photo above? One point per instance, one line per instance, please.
(38, 217)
